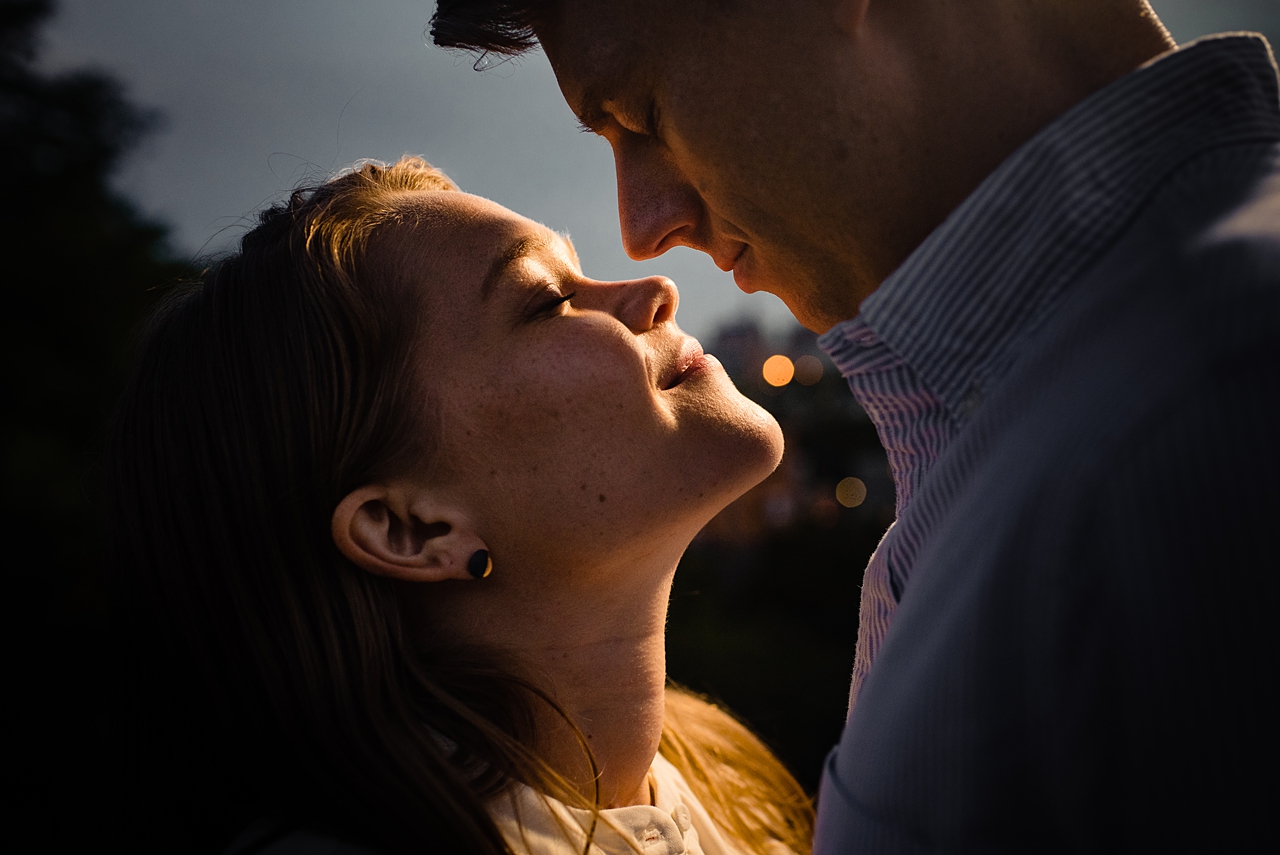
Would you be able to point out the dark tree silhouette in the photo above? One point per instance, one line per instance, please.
(79, 266)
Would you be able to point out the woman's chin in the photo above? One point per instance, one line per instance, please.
(745, 455)
(770, 446)
(765, 434)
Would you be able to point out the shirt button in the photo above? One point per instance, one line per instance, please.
(681, 815)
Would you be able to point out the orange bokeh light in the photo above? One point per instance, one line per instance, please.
(778, 370)
(851, 492)
(808, 370)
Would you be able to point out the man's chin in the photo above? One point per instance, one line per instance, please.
(745, 282)
(750, 279)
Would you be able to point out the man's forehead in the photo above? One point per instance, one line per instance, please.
(599, 49)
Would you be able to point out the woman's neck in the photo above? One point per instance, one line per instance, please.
(612, 687)
(597, 648)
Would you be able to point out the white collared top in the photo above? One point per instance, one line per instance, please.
(534, 823)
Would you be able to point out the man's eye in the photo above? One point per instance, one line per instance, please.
(651, 120)
(642, 124)
(648, 122)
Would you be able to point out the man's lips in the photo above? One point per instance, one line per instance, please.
(728, 264)
(692, 361)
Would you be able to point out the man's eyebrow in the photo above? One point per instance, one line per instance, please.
(520, 248)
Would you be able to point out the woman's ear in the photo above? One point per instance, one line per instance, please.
(391, 532)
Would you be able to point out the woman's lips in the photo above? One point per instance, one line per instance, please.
(692, 361)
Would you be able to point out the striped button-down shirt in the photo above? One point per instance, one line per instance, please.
(941, 332)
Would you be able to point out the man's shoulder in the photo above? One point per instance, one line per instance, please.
(1231, 202)
(1189, 293)
(1164, 352)
(1160, 373)
(1218, 219)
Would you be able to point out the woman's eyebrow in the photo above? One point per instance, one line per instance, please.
(520, 248)
(573, 250)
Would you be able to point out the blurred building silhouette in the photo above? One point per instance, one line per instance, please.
(764, 612)
(827, 441)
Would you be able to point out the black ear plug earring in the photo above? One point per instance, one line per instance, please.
(480, 564)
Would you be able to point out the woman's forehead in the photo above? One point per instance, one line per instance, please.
(455, 209)
(454, 228)
(461, 244)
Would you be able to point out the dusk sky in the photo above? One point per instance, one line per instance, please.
(257, 96)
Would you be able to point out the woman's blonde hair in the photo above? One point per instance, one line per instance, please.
(264, 393)
(743, 786)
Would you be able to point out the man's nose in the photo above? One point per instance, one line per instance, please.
(657, 207)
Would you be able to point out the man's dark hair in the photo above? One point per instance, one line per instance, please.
(503, 27)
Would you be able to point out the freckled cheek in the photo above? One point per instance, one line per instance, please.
(567, 415)
(567, 451)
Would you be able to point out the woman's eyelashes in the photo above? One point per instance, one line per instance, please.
(546, 308)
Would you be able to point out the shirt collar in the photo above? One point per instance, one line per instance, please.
(537, 824)
(989, 273)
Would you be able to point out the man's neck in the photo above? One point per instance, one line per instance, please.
(996, 74)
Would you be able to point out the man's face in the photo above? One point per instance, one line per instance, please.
(731, 134)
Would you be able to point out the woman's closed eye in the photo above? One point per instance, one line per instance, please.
(545, 308)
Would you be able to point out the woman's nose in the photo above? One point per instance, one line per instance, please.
(645, 303)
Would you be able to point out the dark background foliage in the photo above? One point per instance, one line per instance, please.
(79, 269)
(762, 615)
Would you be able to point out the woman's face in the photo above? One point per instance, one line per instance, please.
(575, 419)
